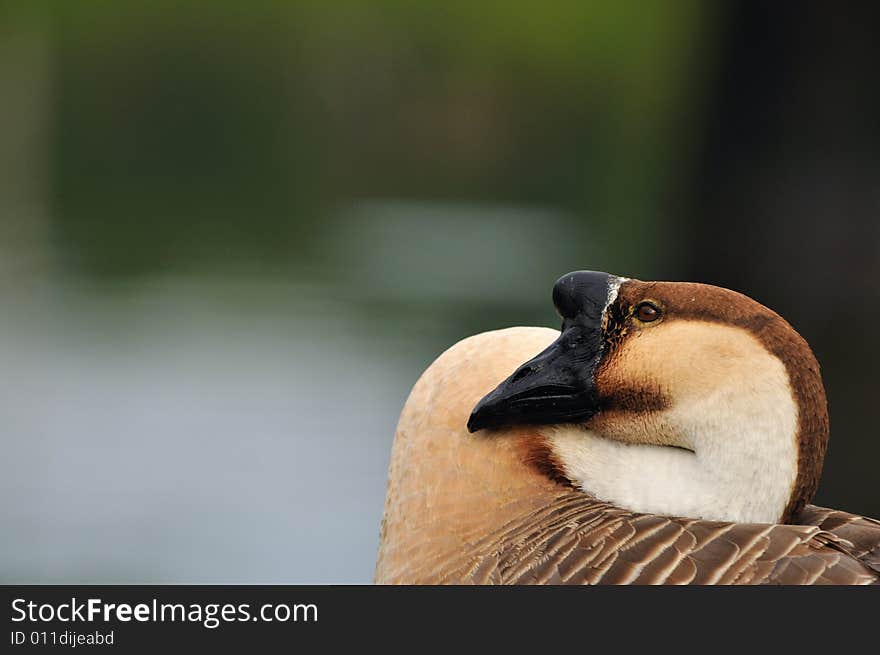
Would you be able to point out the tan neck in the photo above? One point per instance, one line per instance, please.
(448, 489)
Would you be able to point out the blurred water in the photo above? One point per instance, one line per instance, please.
(233, 427)
(159, 438)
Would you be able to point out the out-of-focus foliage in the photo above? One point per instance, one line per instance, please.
(181, 129)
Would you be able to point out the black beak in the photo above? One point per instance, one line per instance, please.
(558, 385)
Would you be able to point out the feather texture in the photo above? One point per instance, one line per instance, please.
(576, 539)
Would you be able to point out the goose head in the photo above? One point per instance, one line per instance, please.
(672, 398)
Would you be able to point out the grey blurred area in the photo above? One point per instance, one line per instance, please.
(231, 238)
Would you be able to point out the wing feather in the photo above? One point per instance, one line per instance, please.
(577, 539)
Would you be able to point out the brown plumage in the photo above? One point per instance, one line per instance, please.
(497, 507)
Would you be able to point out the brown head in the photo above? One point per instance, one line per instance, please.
(672, 365)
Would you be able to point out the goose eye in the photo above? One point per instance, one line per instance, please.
(646, 312)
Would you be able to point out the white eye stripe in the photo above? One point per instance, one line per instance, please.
(614, 283)
(613, 289)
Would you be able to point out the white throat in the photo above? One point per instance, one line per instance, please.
(741, 464)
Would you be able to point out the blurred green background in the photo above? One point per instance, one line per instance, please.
(232, 236)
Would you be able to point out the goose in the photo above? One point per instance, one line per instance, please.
(669, 433)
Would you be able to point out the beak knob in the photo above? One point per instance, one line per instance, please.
(581, 293)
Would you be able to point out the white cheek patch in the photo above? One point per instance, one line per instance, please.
(740, 424)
